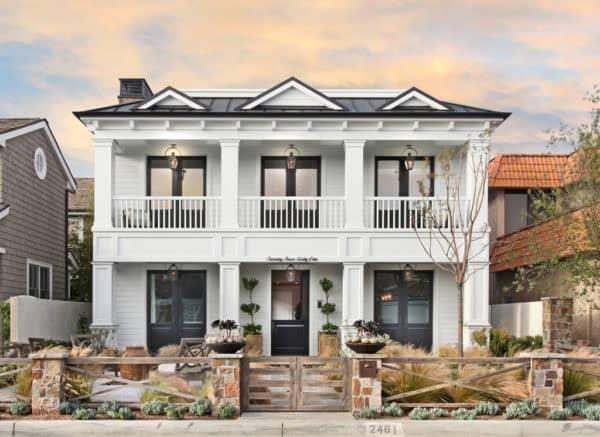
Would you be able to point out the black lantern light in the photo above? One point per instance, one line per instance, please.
(409, 273)
(409, 161)
(172, 272)
(290, 273)
(171, 154)
(292, 153)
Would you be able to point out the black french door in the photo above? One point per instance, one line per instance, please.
(404, 305)
(279, 181)
(289, 313)
(176, 307)
(188, 180)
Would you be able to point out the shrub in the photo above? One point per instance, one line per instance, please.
(480, 337)
(521, 410)
(154, 407)
(487, 409)
(20, 408)
(439, 412)
(592, 412)
(420, 413)
(502, 344)
(84, 414)
(560, 414)
(23, 382)
(226, 411)
(392, 409)
(109, 407)
(577, 407)
(174, 412)
(201, 407)
(464, 414)
(68, 407)
(365, 413)
(123, 413)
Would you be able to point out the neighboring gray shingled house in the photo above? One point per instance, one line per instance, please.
(34, 182)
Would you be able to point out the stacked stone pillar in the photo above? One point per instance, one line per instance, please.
(47, 388)
(226, 379)
(557, 322)
(366, 381)
(545, 381)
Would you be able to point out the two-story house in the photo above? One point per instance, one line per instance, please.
(198, 188)
(34, 183)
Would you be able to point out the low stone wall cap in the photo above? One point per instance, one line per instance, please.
(213, 355)
(556, 298)
(547, 355)
(365, 356)
(49, 355)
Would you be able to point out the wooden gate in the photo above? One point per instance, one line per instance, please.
(295, 384)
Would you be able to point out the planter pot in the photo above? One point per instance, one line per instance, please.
(328, 345)
(226, 348)
(365, 348)
(254, 346)
(134, 372)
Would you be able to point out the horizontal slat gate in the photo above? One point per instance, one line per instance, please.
(294, 384)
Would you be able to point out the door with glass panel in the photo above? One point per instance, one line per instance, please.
(176, 307)
(404, 305)
(279, 183)
(187, 181)
(398, 187)
(289, 313)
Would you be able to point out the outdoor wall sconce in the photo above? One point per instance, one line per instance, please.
(172, 272)
(409, 161)
(171, 153)
(290, 273)
(292, 153)
(409, 273)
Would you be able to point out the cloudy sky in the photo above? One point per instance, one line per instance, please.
(536, 59)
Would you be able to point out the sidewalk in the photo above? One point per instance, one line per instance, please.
(299, 424)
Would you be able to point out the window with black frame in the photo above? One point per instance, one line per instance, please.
(401, 191)
(187, 181)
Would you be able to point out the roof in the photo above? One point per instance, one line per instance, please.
(15, 127)
(527, 171)
(8, 124)
(81, 199)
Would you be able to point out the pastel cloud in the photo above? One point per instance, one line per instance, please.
(535, 58)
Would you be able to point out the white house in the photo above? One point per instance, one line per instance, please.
(196, 189)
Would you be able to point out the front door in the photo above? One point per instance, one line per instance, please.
(289, 313)
(176, 307)
(404, 305)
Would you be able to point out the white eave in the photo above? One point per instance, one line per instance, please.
(171, 95)
(4, 212)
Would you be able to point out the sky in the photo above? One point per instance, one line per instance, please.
(534, 58)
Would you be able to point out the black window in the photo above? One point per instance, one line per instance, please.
(392, 179)
(519, 208)
(189, 179)
(39, 279)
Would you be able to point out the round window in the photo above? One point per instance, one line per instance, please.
(39, 163)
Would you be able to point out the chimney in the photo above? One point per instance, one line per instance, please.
(134, 90)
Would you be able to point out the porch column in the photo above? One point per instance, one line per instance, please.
(103, 297)
(476, 312)
(229, 291)
(476, 180)
(353, 296)
(354, 183)
(229, 183)
(103, 183)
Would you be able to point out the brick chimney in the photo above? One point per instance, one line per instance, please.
(134, 90)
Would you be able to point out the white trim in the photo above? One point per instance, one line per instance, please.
(414, 94)
(39, 264)
(173, 94)
(298, 86)
(40, 157)
(330, 92)
(4, 212)
(42, 124)
(2, 250)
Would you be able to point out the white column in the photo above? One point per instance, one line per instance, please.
(103, 183)
(476, 177)
(229, 291)
(476, 312)
(229, 183)
(103, 296)
(354, 183)
(353, 298)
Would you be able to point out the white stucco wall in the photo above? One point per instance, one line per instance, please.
(521, 319)
(43, 318)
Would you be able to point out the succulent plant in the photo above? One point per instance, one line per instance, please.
(84, 414)
(155, 407)
(365, 413)
(420, 413)
(68, 407)
(577, 407)
(201, 407)
(109, 407)
(174, 412)
(20, 408)
(560, 414)
(464, 414)
(439, 412)
(592, 412)
(226, 411)
(487, 409)
(521, 410)
(392, 409)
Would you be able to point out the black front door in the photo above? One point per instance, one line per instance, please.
(404, 305)
(176, 307)
(289, 313)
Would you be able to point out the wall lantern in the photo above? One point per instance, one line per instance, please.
(292, 153)
(172, 272)
(290, 273)
(171, 153)
(409, 273)
(409, 161)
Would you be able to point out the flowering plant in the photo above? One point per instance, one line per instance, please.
(368, 333)
(224, 331)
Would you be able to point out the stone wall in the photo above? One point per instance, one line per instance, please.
(47, 390)
(366, 381)
(557, 321)
(546, 380)
(226, 380)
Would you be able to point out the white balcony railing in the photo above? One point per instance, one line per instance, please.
(166, 212)
(412, 213)
(291, 212)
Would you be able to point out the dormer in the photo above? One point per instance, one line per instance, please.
(411, 99)
(171, 98)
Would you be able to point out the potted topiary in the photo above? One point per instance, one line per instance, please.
(369, 339)
(328, 336)
(252, 331)
(226, 338)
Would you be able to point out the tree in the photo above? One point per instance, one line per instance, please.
(251, 308)
(451, 231)
(327, 308)
(82, 251)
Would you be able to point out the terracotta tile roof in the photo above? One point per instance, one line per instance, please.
(527, 171)
(8, 124)
(81, 199)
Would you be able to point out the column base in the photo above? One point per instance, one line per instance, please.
(346, 331)
(107, 332)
